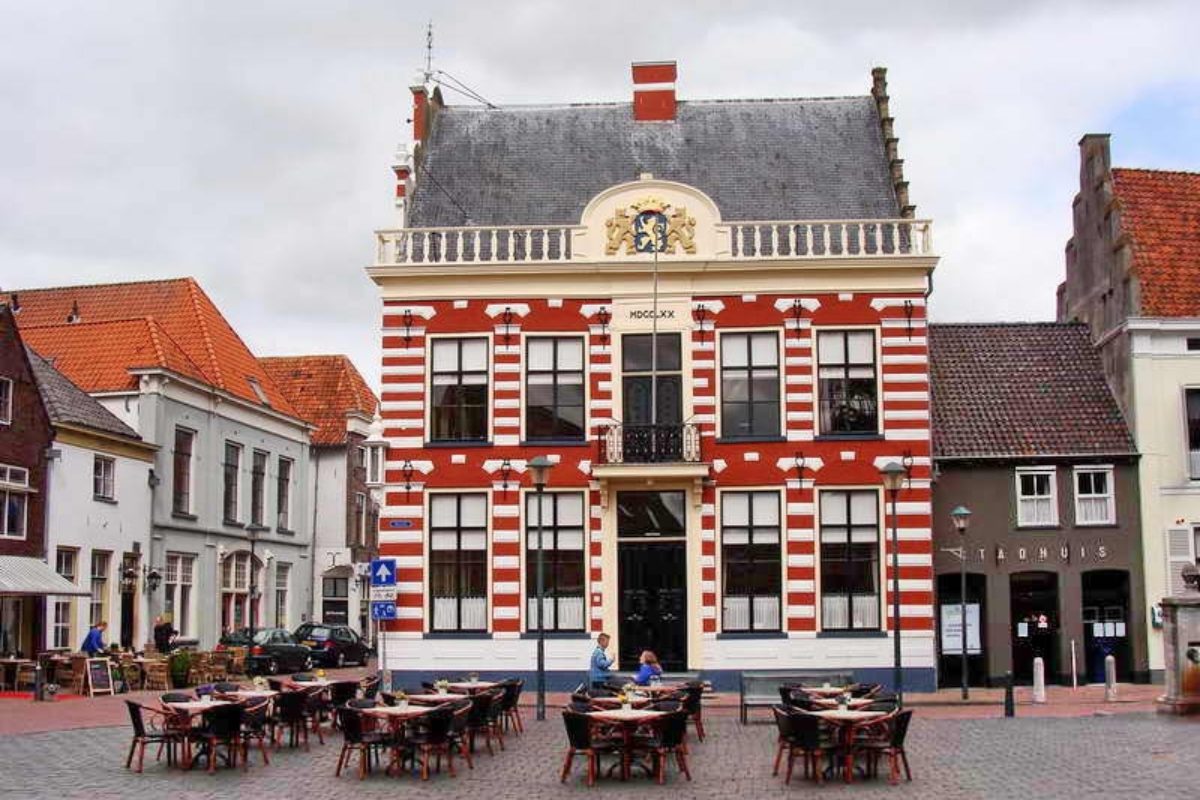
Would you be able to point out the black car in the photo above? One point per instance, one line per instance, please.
(333, 645)
(272, 650)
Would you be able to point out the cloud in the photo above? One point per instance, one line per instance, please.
(250, 144)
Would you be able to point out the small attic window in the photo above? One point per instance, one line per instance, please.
(258, 391)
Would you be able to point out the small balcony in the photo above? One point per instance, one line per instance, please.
(650, 444)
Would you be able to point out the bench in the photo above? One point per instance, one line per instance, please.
(761, 689)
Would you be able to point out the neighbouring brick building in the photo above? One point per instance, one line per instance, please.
(1133, 276)
(1028, 437)
(328, 391)
(718, 413)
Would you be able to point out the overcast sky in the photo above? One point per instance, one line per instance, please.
(249, 143)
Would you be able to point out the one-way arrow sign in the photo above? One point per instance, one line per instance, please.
(383, 572)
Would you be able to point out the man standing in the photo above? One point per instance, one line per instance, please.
(93, 643)
(601, 664)
(163, 634)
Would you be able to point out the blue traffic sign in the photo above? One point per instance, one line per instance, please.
(400, 523)
(383, 572)
(383, 610)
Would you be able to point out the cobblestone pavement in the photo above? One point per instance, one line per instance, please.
(1137, 755)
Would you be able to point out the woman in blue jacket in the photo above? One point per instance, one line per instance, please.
(650, 668)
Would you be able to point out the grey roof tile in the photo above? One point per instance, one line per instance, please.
(819, 158)
(67, 404)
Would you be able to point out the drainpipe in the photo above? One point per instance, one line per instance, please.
(312, 550)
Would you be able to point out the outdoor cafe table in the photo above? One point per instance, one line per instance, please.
(12, 666)
(191, 709)
(824, 691)
(845, 721)
(250, 694)
(396, 716)
(472, 687)
(832, 702)
(612, 700)
(436, 699)
(629, 720)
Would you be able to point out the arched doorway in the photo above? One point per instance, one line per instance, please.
(1105, 617)
(238, 604)
(1035, 623)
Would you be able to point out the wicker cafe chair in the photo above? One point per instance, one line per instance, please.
(357, 738)
(256, 724)
(480, 721)
(151, 726)
(800, 734)
(691, 704)
(290, 716)
(222, 727)
(459, 715)
(581, 742)
(218, 667)
(430, 737)
(890, 746)
(157, 675)
(668, 741)
(510, 707)
(77, 674)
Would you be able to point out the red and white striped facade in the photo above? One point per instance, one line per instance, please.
(580, 289)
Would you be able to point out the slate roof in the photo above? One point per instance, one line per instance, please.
(202, 344)
(323, 389)
(67, 404)
(1161, 212)
(1021, 390)
(817, 158)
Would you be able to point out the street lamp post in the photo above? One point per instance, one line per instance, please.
(893, 478)
(962, 520)
(252, 605)
(539, 468)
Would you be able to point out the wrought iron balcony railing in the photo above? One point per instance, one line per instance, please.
(650, 444)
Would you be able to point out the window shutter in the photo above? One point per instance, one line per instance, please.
(1180, 550)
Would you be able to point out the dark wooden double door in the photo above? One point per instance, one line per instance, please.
(653, 606)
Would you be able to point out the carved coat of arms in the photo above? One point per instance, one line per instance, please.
(648, 226)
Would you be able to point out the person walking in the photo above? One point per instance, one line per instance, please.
(93, 643)
(649, 669)
(601, 665)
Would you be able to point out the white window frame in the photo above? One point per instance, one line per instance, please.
(183, 616)
(240, 450)
(283, 570)
(1110, 517)
(283, 510)
(781, 379)
(375, 463)
(6, 401)
(876, 332)
(62, 633)
(489, 371)
(107, 488)
(1052, 472)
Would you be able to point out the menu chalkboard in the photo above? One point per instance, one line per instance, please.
(99, 677)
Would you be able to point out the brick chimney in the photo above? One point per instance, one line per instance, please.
(425, 108)
(654, 91)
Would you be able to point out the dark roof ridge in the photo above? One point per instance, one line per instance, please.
(627, 104)
(1189, 173)
(1050, 323)
(105, 284)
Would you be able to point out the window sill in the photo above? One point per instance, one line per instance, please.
(848, 437)
(1091, 526)
(255, 528)
(457, 635)
(1052, 527)
(112, 501)
(734, 635)
(555, 443)
(184, 515)
(558, 635)
(443, 443)
(232, 523)
(852, 635)
(749, 439)
(285, 531)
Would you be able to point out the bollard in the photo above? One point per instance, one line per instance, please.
(1010, 706)
(1039, 680)
(1110, 679)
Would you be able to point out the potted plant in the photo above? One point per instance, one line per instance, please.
(442, 686)
(179, 664)
(402, 699)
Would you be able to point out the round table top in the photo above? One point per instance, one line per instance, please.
(250, 694)
(193, 706)
(855, 702)
(625, 715)
(613, 701)
(472, 685)
(837, 715)
(827, 691)
(398, 712)
(438, 698)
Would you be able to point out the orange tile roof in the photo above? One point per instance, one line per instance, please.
(1161, 211)
(324, 389)
(180, 309)
(98, 355)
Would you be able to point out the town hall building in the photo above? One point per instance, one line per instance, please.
(710, 316)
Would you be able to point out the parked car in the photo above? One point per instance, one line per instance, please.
(333, 645)
(272, 650)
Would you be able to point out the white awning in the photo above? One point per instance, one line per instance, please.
(21, 575)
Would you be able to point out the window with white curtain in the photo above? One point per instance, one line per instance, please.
(177, 591)
(1094, 496)
(1037, 498)
(458, 562)
(751, 566)
(563, 566)
(849, 560)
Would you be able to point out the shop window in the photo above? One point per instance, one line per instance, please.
(335, 601)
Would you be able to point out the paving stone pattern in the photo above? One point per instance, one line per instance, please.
(1142, 755)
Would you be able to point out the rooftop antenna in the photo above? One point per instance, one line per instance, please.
(429, 52)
